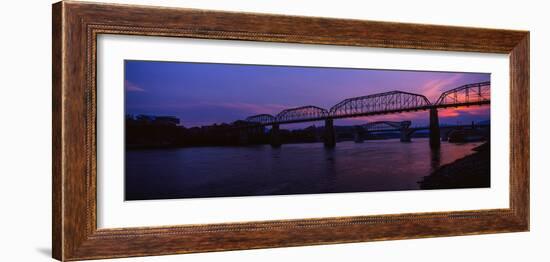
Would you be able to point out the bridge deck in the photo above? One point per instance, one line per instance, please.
(323, 118)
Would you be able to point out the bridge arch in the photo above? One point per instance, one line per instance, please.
(403, 127)
(304, 113)
(378, 125)
(261, 119)
(470, 94)
(383, 103)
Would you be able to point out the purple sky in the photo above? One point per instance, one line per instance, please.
(204, 94)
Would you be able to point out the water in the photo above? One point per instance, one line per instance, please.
(382, 165)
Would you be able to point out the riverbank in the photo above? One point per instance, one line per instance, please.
(472, 171)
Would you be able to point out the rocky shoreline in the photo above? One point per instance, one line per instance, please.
(472, 171)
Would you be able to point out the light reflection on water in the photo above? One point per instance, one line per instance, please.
(381, 165)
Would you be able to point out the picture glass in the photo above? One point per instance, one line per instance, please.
(197, 130)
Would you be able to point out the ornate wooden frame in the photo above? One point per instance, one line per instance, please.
(76, 26)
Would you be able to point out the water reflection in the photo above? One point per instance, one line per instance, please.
(382, 165)
(435, 158)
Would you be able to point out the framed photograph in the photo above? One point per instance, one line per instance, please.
(182, 130)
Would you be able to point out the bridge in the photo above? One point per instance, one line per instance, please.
(402, 127)
(394, 102)
(406, 131)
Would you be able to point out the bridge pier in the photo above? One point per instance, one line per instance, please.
(405, 135)
(359, 134)
(435, 141)
(275, 139)
(330, 136)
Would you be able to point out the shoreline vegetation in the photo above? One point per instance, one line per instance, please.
(472, 171)
(154, 132)
(160, 132)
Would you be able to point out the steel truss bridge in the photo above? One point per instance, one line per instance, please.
(404, 127)
(380, 126)
(393, 102)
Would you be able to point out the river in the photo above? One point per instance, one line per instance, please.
(375, 165)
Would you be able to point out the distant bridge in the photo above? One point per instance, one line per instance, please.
(405, 129)
(475, 94)
(386, 126)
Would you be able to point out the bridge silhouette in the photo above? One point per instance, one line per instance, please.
(394, 102)
(406, 131)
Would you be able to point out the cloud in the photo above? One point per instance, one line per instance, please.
(448, 113)
(131, 87)
(464, 111)
(433, 88)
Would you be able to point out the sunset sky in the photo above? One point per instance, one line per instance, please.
(204, 94)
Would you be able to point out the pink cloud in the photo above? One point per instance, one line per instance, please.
(433, 88)
(454, 112)
(448, 113)
(131, 87)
